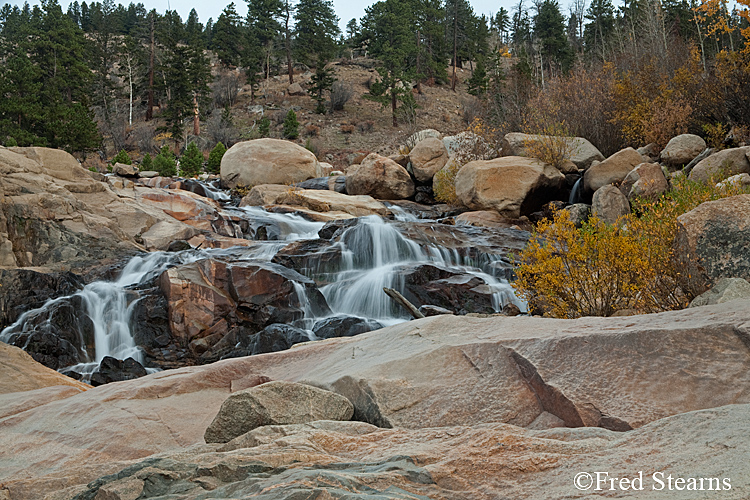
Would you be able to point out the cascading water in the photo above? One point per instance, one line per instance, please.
(108, 306)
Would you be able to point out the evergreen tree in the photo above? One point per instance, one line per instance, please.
(147, 163)
(316, 29)
(122, 157)
(387, 31)
(227, 38)
(477, 84)
(191, 162)
(290, 128)
(322, 81)
(165, 163)
(263, 28)
(214, 158)
(549, 31)
(596, 34)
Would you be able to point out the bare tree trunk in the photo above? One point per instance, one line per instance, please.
(393, 106)
(419, 69)
(288, 44)
(150, 108)
(196, 116)
(455, 44)
(130, 85)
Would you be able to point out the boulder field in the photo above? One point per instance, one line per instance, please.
(445, 407)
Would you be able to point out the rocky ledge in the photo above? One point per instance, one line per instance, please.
(444, 407)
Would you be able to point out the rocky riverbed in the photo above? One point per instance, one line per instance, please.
(171, 295)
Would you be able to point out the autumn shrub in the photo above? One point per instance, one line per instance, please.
(347, 129)
(312, 130)
(341, 92)
(552, 144)
(599, 269)
(366, 126)
(715, 134)
(444, 183)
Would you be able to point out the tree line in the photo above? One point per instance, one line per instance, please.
(107, 64)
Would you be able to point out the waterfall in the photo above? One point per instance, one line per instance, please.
(108, 306)
(575, 195)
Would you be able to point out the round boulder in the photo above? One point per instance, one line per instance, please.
(511, 185)
(427, 158)
(613, 169)
(275, 403)
(682, 149)
(609, 204)
(267, 161)
(722, 165)
(381, 178)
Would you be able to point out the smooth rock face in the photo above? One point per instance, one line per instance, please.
(512, 185)
(724, 290)
(682, 149)
(483, 218)
(267, 161)
(582, 151)
(723, 164)
(275, 403)
(613, 169)
(427, 158)
(647, 180)
(609, 204)
(449, 385)
(379, 177)
(19, 372)
(712, 241)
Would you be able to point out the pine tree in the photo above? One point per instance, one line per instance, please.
(227, 39)
(214, 158)
(549, 31)
(477, 84)
(596, 34)
(316, 29)
(322, 81)
(165, 163)
(291, 125)
(387, 30)
(191, 162)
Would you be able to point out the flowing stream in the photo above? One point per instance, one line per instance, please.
(373, 254)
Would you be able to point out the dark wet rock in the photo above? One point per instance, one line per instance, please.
(309, 257)
(57, 336)
(23, 289)
(344, 326)
(331, 183)
(150, 325)
(116, 370)
(335, 228)
(429, 284)
(179, 246)
(240, 342)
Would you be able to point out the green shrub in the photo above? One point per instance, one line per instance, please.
(11, 143)
(122, 157)
(291, 125)
(147, 162)
(165, 162)
(191, 162)
(214, 158)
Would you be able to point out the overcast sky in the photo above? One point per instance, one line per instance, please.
(345, 9)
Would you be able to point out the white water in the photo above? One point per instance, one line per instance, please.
(109, 306)
(373, 255)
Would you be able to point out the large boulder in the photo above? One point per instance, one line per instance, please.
(682, 149)
(275, 403)
(609, 204)
(721, 165)
(379, 177)
(712, 242)
(267, 161)
(125, 170)
(19, 373)
(512, 185)
(582, 152)
(647, 180)
(613, 169)
(427, 158)
(316, 200)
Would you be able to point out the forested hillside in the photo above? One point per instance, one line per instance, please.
(106, 77)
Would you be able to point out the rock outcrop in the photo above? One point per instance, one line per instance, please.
(647, 180)
(609, 204)
(455, 387)
(511, 185)
(379, 177)
(329, 202)
(267, 161)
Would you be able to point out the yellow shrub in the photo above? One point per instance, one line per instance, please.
(444, 183)
(553, 144)
(599, 269)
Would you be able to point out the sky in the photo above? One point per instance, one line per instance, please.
(345, 9)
